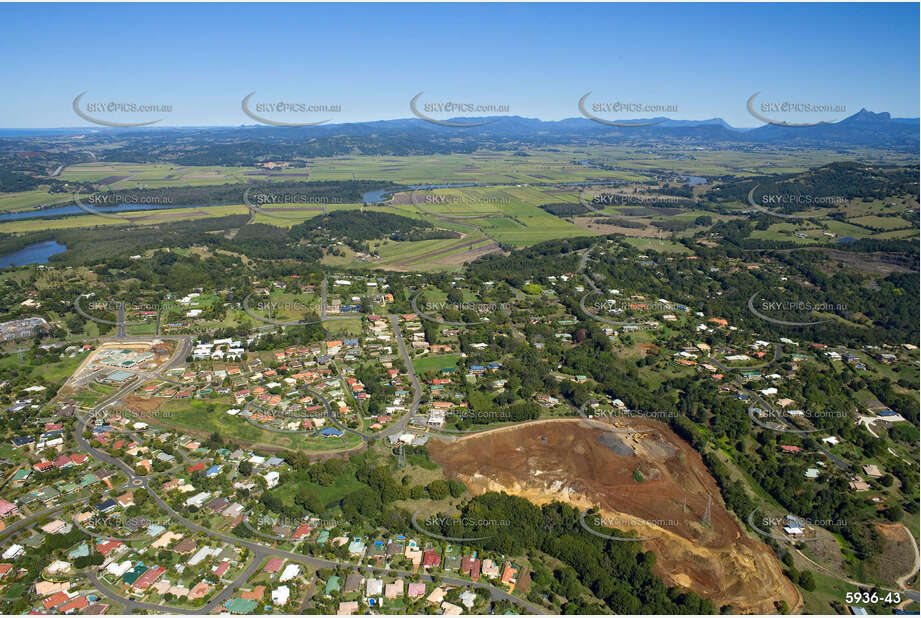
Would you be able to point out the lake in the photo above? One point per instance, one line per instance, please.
(37, 253)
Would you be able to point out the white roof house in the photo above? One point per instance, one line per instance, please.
(198, 499)
(117, 569)
(233, 510)
(203, 554)
(13, 552)
(436, 418)
(467, 599)
(281, 595)
(374, 587)
(58, 566)
(290, 572)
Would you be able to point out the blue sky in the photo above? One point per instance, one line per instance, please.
(371, 59)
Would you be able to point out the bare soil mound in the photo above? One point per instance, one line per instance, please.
(643, 478)
(898, 557)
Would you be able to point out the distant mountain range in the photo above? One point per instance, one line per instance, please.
(864, 128)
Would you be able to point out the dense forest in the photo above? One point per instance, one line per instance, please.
(844, 179)
(13, 181)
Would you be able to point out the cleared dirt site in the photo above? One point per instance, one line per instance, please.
(644, 479)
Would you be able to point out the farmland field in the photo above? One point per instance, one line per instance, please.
(489, 218)
(27, 200)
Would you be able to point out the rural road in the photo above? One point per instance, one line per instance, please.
(584, 260)
(911, 594)
(120, 333)
(323, 297)
(904, 579)
(838, 461)
(400, 425)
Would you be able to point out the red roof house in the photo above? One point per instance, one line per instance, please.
(274, 565)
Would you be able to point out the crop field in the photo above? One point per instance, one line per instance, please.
(27, 200)
(507, 215)
(137, 217)
(488, 218)
(845, 229)
(395, 254)
(538, 167)
(153, 175)
(288, 215)
(901, 234)
(465, 202)
(717, 162)
(525, 230)
(479, 168)
(884, 223)
(786, 231)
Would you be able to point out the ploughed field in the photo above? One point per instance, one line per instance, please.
(643, 479)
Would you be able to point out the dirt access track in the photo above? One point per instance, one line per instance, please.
(572, 461)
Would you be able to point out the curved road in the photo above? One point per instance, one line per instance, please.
(258, 550)
(400, 426)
